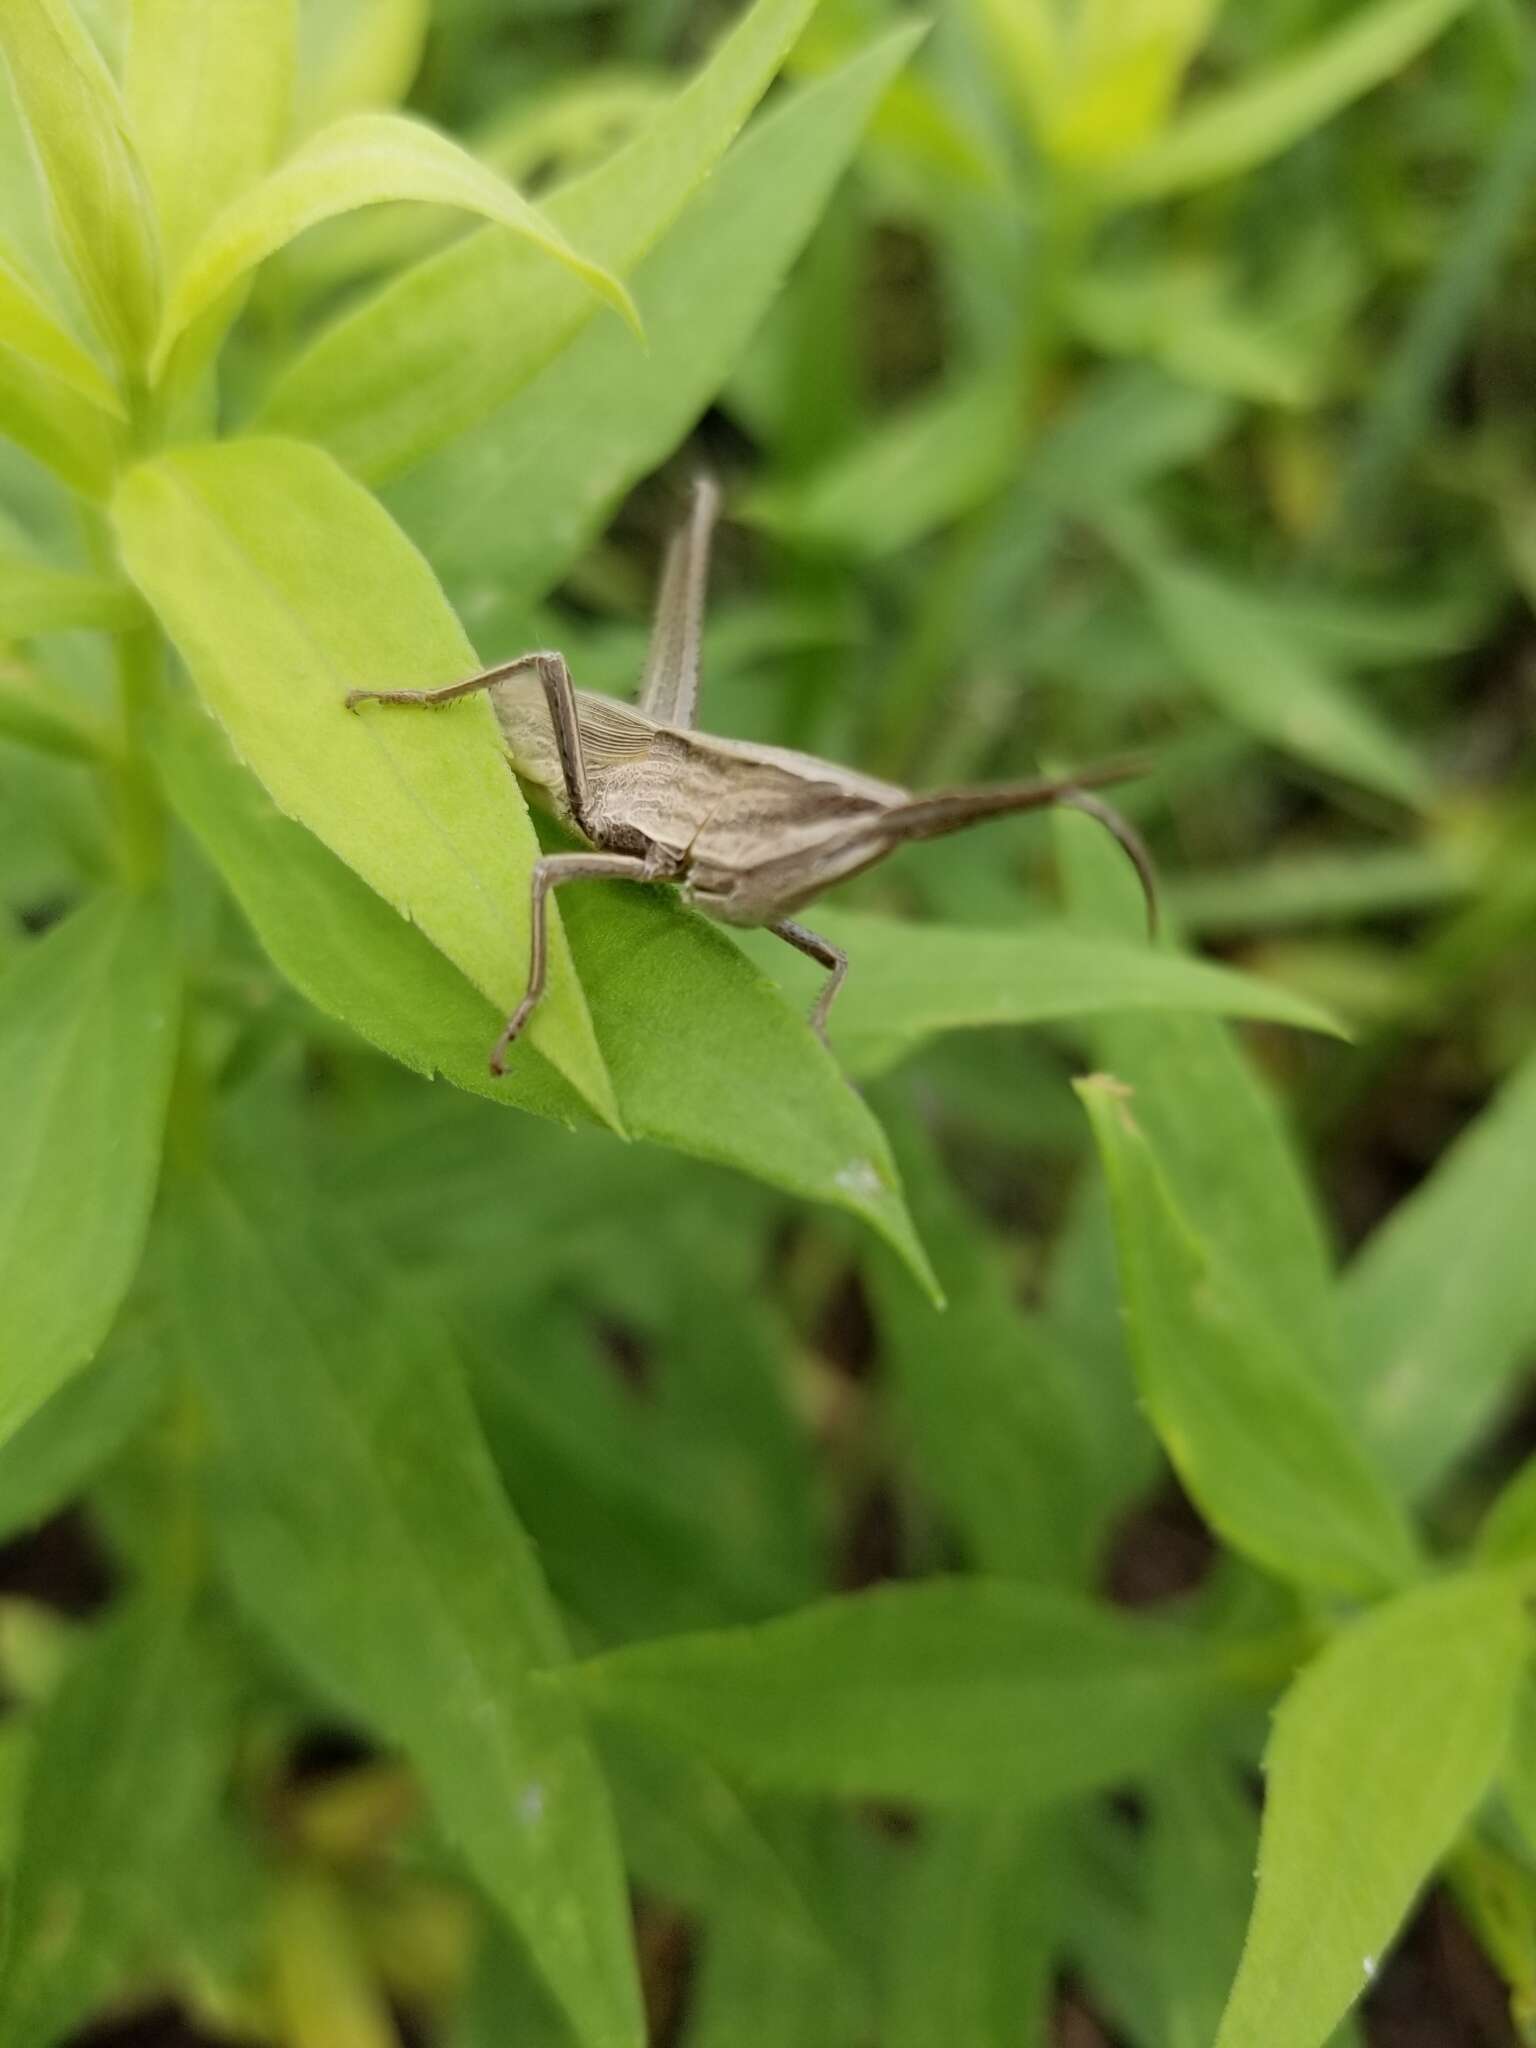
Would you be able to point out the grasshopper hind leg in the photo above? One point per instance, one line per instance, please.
(833, 958)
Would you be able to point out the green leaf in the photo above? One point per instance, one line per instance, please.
(1405, 390)
(962, 1692)
(1380, 1752)
(209, 89)
(1440, 1305)
(933, 460)
(32, 329)
(284, 585)
(907, 982)
(703, 1053)
(44, 1466)
(78, 440)
(361, 1522)
(604, 413)
(337, 941)
(456, 336)
(1262, 677)
(41, 713)
(361, 160)
(971, 1933)
(1228, 132)
(989, 1412)
(1202, 1837)
(79, 129)
(88, 1024)
(1266, 1455)
(35, 597)
(1215, 1126)
(358, 54)
(126, 1767)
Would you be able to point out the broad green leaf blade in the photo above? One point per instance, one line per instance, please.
(127, 1765)
(706, 1056)
(1240, 655)
(971, 1934)
(990, 1415)
(455, 337)
(361, 160)
(362, 1523)
(44, 1466)
(702, 1051)
(32, 329)
(604, 413)
(88, 1025)
(1231, 131)
(1266, 1455)
(1216, 1127)
(79, 129)
(210, 91)
(1380, 1752)
(961, 1692)
(284, 585)
(1440, 1305)
(35, 597)
(907, 982)
(335, 939)
(691, 1839)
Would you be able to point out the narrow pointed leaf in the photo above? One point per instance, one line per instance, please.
(1381, 1751)
(32, 329)
(1215, 1124)
(78, 440)
(126, 1766)
(210, 91)
(908, 982)
(362, 1523)
(604, 413)
(284, 585)
(79, 129)
(361, 160)
(442, 346)
(1268, 1457)
(1262, 678)
(962, 1692)
(1440, 1304)
(1233, 130)
(88, 1024)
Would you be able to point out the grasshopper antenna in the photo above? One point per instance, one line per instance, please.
(1126, 837)
(937, 812)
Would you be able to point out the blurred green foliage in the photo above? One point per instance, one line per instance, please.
(576, 1592)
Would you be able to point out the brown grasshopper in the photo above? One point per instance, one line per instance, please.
(746, 833)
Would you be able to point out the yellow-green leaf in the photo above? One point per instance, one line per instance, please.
(1244, 125)
(284, 585)
(1267, 1456)
(361, 160)
(1380, 1752)
(209, 89)
(102, 217)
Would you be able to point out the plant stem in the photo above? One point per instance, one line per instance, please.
(141, 814)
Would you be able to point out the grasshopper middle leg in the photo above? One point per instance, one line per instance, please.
(548, 873)
(829, 956)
